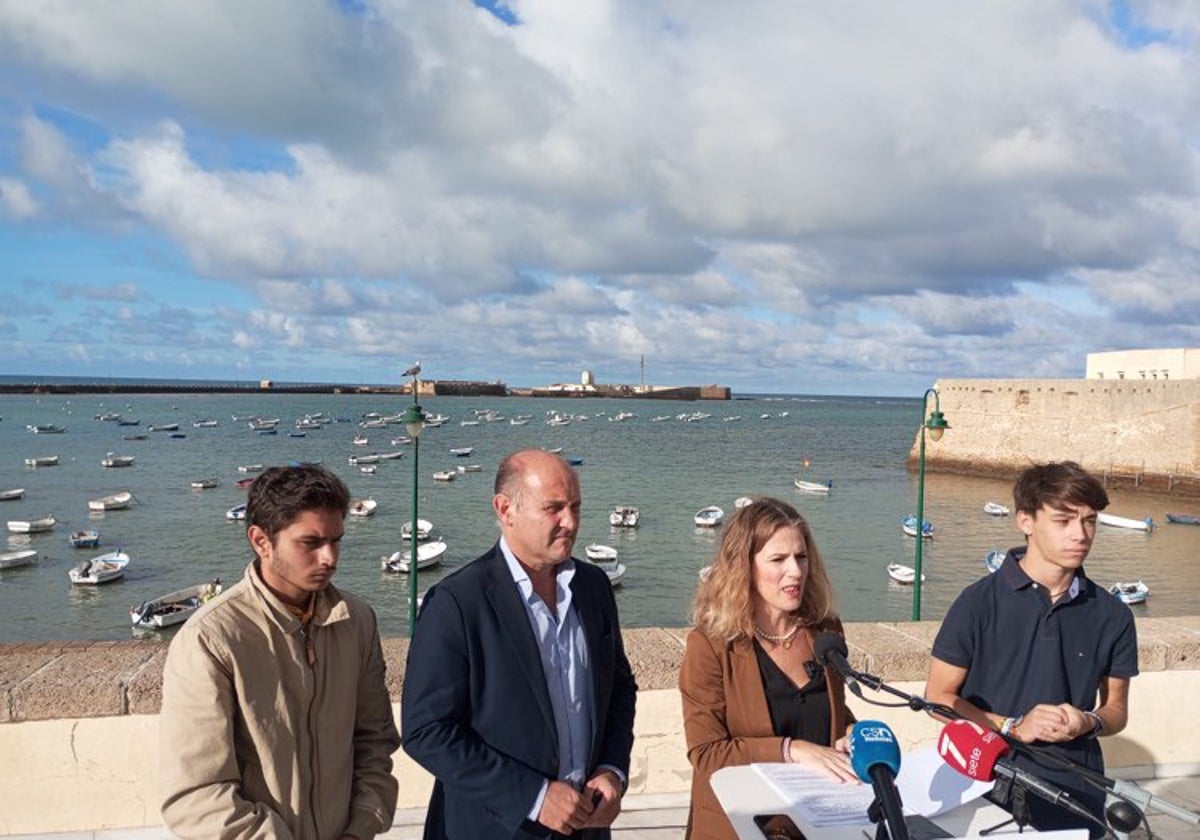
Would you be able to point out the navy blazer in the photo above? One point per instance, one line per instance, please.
(476, 712)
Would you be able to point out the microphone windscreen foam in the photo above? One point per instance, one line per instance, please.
(872, 742)
(827, 643)
(970, 749)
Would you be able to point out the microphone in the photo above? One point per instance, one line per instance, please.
(875, 757)
(979, 754)
(830, 649)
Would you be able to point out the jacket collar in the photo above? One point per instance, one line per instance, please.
(331, 607)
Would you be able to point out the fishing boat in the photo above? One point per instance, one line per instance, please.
(102, 569)
(462, 451)
(250, 468)
(31, 526)
(13, 559)
(466, 468)
(390, 456)
(742, 501)
(111, 460)
(1114, 521)
(204, 424)
(624, 516)
(1183, 518)
(1131, 592)
(173, 608)
(596, 551)
(909, 526)
(128, 421)
(42, 461)
(46, 429)
(237, 512)
(995, 509)
(354, 460)
(10, 495)
(115, 501)
(445, 475)
(403, 440)
(813, 486)
(163, 427)
(709, 517)
(902, 574)
(993, 559)
(361, 440)
(205, 483)
(424, 529)
(428, 554)
(363, 507)
(87, 538)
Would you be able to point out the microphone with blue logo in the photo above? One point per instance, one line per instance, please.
(875, 757)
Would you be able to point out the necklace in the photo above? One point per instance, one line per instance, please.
(784, 639)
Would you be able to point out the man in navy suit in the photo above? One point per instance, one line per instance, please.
(518, 697)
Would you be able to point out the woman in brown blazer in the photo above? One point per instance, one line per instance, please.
(750, 687)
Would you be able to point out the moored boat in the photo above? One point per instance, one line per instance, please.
(31, 526)
(1114, 521)
(87, 538)
(250, 468)
(102, 569)
(462, 451)
(363, 507)
(42, 461)
(994, 558)
(11, 495)
(445, 475)
(624, 516)
(163, 427)
(1131, 592)
(205, 483)
(995, 509)
(237, 512)
(114, 501)
(14, 559)
(909, 526)
(111, 460)
(424, 530)
(1183, 518)
(742, 501)
(174, 607)
(902, 574)
(813, 486)
(46, 429)
(596, 551)
(709, 517)
(613, 568)
(428, 554)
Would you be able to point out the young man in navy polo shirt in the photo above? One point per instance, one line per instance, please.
(1037, 650)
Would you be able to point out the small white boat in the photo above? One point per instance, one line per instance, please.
(46, 429)
(361, 440)
(205, 483)
(902, 574)
(204, 424)
(742, 501)
(424, 529)
(111, 460)
(428, 554)
(813, 486)
(163, 427)
(624, 516)
(403, 440)
(102, 569)
(236, 512)
(445, 475)
(1130, 592)
(390, 456)
(995, 509)
(596, 551)
(363, 507)
(709, 517)
(909, 526)
(87, 538)
(1114, 521)
(173, 608)
(10, 495)
(250, 468)
(462, 451)
(994, 558)
(31, 526)
(518, 421)
(42, 461)
(115, 501)
(353, 460)
(368, 469)
(13, 559)
(613, 568)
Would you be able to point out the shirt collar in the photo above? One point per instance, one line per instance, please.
(563, 578)
(1015, 576)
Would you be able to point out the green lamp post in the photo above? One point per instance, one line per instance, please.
(936, 425)
(414, 421)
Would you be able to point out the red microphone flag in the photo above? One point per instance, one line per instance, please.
(970, 749)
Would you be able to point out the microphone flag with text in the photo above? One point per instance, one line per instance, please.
(875, 757)
(980, 754)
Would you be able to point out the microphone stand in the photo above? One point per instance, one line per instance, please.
(913, 701)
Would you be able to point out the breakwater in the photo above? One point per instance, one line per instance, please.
(1136, 434)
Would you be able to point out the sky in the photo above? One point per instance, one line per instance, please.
(833, 198)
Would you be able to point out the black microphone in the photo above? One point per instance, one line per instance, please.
(875, 757)
(830, 649)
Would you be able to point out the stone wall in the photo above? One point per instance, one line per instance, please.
(79, 729)
(1136, 433)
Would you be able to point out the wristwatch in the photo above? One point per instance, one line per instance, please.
(1009, 724)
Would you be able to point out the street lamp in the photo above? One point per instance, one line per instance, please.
(414, 421)
(937, 425)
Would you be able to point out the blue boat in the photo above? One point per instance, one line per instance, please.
(994, 558)
(909, 526)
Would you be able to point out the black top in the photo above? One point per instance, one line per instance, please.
(796, 712)
(1020, 650)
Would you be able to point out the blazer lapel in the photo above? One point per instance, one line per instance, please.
(513, 621)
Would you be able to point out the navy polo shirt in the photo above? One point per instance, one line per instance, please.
(1020, 650)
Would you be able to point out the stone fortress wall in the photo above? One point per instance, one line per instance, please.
(1139, 433)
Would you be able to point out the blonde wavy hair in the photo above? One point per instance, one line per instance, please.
(724, 603)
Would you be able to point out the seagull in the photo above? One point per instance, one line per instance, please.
(415, 370)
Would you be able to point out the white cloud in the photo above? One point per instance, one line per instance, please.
(18, 203)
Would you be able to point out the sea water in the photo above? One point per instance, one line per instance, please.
(668, 468)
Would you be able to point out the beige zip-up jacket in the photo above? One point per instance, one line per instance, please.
(257, 743)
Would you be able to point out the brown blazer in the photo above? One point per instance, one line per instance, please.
(726, 720)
